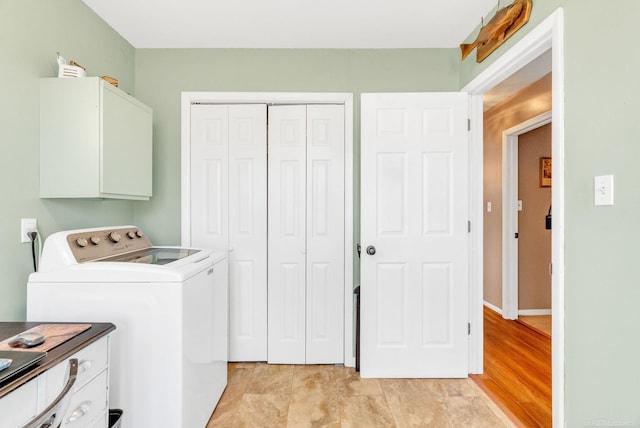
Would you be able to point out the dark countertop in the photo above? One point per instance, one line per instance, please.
(55, 355)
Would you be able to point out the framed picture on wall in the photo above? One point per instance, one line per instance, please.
(545, 172)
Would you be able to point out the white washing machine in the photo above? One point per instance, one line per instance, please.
(168, 365)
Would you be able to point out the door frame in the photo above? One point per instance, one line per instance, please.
(346, 99)
(548, 34)
(509, 213)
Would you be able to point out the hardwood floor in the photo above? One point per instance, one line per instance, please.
(542, 323)
(273, 396)
(517, 370)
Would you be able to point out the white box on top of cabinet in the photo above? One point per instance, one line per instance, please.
(95, 141)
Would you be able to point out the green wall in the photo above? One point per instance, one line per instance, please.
(31, 32)
(602, 278)
(162, 74)
(602, 281)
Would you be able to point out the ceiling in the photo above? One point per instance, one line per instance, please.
(339, 24)
(356, 24)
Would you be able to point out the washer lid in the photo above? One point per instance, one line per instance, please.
(153, 256)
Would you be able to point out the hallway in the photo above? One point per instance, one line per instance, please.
(517, 369)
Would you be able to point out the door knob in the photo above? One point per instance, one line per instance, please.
(371, 250)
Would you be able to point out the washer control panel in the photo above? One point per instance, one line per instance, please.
(99, 244)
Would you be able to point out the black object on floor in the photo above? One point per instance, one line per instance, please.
(115, 418)
(356, 291)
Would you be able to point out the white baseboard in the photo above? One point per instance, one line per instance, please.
(530, 312)
(493, 307)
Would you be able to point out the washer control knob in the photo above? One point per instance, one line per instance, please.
(81, 242)
(95, 240)
(115, 237)
(131, 234)
(139, 233)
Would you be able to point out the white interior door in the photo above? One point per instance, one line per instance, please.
(287, 234)
(414, 191)
(228, 151)
(325, 234)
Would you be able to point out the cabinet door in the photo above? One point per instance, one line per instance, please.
(19, 406)
(287, 233)
(126, 145)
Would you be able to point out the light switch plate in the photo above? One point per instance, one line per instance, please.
(603, 190)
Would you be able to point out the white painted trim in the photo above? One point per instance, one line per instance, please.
(510, 216)
(476, 254)
(534, 312)
(509, 227)
(185, 169)
(549, 33)
(346, 99)
(494, 308)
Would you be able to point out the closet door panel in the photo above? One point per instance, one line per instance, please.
(209, 176)
(286, 234)
(247, 228)
(325, 234)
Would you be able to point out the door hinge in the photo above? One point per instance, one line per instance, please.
(468, 226)
(515, 235)
(468, 124)
(468, 329)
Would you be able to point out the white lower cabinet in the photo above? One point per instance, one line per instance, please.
(101, 421)
(89, 402)
(20, 406)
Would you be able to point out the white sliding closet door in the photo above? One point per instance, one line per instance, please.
(228, 155)
(306, 234)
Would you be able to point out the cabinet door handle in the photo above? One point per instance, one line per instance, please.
(80, 411)
(84, 366)
(52, 415)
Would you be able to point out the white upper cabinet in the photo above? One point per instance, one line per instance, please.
(95, 141)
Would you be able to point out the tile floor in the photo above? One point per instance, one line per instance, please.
(262, 395)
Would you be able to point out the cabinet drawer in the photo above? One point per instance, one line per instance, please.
(102, 421)
(91, 360)
(87, 403)
(17, 407)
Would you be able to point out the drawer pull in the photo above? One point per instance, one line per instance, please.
(84, 366)
(80, 411)
(52, 415)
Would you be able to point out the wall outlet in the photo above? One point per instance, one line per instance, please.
(28, 225)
